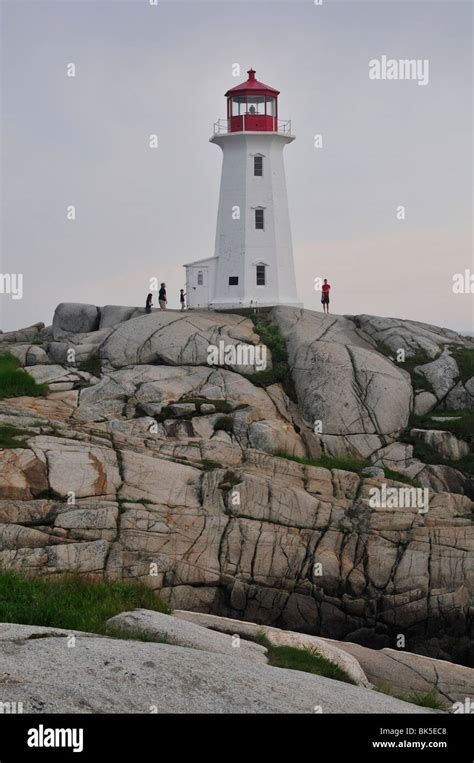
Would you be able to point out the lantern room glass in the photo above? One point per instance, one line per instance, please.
(239, 105)
(256, 104)
(270, 106)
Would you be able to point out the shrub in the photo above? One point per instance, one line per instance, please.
(15, 382)
(92, 365)
(224, 424)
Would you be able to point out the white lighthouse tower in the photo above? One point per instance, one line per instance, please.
(253, 259)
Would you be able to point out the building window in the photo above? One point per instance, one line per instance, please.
(258, 166)
(261, 275)
(259, 219)
(200, 278)
(233, 280)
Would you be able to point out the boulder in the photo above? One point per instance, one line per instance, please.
(424, 403)
(413, 337)
(111, 315)
(180, 339)
(75, 318)
(160, 627)
(444, 443)
(22, 336)
(36, 356)
(441, 374)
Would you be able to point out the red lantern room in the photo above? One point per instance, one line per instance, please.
(252, 106)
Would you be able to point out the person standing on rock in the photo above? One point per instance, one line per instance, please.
(182, 295)
(149, 303)
(325, 295)
(162, 297)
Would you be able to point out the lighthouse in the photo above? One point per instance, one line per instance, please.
(253, 257)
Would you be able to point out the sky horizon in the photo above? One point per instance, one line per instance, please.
(141, 212)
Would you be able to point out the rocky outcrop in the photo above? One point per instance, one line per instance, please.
(170, 470)
(413, 337)
(354, 396)
(97, 674)
(394, 671)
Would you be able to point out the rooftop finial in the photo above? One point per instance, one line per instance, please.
(251, 72)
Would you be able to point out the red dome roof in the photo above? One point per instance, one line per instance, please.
(252, 85)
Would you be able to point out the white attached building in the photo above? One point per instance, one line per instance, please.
(253, 260)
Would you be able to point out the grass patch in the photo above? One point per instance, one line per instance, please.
(92, 365)
(15, 382)
(12, 437)
(306, 660)
(271, 336)
(425, 699)
(70, 601)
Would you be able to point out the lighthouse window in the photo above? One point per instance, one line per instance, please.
(239, 105)
(200, 278)
(233, 280)
(260, 275)
(271, 107)
(258, 166)
(256, 104)
(259, 219)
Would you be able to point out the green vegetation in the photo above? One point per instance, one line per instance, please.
(428, 455)
(307, 660)
(347, 465)
(224, 424)
(462, 424)
(92, 365)
(209, 465)
(12, 437)
(464, 357)
(70, 601)
(426, 699)
(229, 480)
(270, 335)
(423, 699)
(15, 382)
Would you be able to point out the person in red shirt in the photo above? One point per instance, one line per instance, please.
(325, 295)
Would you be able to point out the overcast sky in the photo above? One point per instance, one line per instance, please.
(141, 212)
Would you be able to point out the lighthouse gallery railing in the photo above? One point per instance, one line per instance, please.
(221, 127)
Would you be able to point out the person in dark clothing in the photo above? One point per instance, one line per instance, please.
(149, 303)
(162, 297)
(181, 298)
